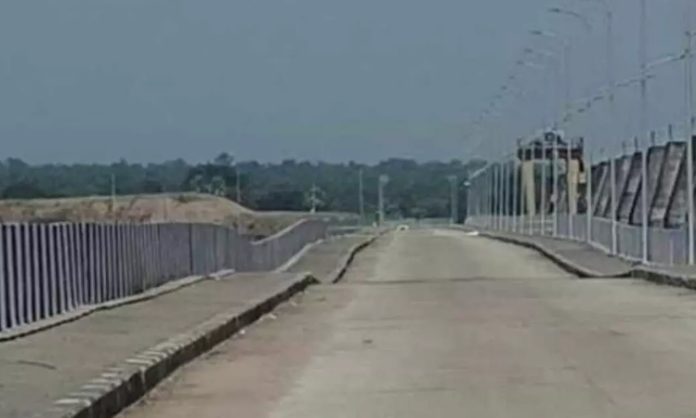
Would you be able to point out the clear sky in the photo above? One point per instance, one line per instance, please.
(337, 80)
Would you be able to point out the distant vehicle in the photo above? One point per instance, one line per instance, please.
(403, 228)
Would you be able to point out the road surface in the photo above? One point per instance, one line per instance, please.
(438, 324)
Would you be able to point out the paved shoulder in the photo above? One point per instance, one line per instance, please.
(38, 369)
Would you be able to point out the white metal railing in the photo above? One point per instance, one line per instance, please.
(51, 269)
(629, 241)
(601, 233)
(668, 246)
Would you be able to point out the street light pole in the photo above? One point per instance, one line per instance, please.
(588, 194)
(544, 181)
(688, 67)
(361, 196)
(565, 82)
(454, 207)
(383, 180)
(611, 84)
(113, 196)
(491, 195)
(554, 186)
(567, 93)
(497, 195)
(643, 37)
(238, 184)
(571, 213)
(504, 194)
(515, 189)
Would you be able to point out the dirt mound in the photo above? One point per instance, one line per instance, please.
(186, 207)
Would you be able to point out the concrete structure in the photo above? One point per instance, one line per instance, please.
(622, 165)
(668, 181)
(664, 240)
(629, 194)
(656, 160)
(537, 154)
(529, 186)
(600, 180)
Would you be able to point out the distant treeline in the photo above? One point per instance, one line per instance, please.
(414, 190)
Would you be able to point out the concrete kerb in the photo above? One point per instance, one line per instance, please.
(653, 274)
(346, 261)
(121, 386)
(558, 259)
(76, 314)
(650, 273)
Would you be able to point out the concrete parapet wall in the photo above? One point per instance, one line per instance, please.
(630, 191)
(667, 183)
(599, 184)
(655, 161)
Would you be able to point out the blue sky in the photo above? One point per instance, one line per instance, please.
(150, 80)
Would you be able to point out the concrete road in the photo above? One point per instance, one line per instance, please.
(436, 324)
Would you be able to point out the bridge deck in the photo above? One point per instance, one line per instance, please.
(430, 323)
(39, 369)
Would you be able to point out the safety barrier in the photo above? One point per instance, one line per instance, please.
(664, 245)
(601, 233)
(51, 269)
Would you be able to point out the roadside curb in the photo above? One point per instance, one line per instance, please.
(657, 276)
(84, 311)
(121, 386)
(556, 258)
(337, 275)
(649, 273)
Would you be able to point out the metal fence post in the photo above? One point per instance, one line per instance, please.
(515, 190)
(530, 216)
(542, 200)
(555, 185)
(644, 204)
(614, 197)
(588, 194)
(690, 132)
(3, 282)
(501, 194)
(571, 201)
(505, 193)
(496, 195)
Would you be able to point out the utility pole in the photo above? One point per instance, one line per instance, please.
(643, 56)
(554, 186)
(361, 196)
(572, 200)
(238, 185)
(313, 198)
(113, 196)
(611, 130)
(383, 180)
(588, 193)
(688, 68)
(454, 201)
